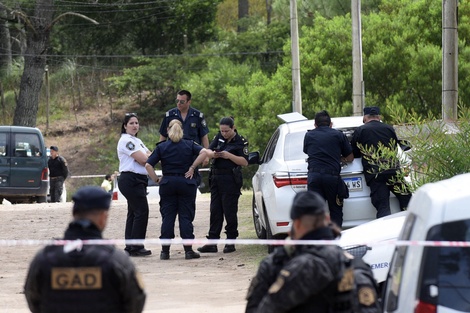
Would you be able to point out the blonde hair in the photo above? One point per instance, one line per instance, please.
(175, 131)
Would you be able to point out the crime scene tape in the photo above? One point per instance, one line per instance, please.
(77, 244)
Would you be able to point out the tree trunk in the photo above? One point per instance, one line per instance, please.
(269, 9)
(34, 64)
(5, 44)
(243, 8)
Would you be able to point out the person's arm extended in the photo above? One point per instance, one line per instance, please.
(203, 155)
(151, 172)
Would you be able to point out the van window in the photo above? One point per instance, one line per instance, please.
(3, 145)
(444, 279)
(392, 289)
(26, 145)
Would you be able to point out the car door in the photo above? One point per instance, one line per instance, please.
(27, 161)
(262, 180)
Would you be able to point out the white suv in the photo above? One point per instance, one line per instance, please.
(426, 275)
(283, 171)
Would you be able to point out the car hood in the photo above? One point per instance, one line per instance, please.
(382, 229)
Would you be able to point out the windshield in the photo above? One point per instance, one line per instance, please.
(445, 279)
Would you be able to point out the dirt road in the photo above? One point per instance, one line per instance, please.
(216, 282)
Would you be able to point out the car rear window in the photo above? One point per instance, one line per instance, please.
(294, 145)
(445, 276)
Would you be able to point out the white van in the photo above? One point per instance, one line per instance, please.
(426, 276)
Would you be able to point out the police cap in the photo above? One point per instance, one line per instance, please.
(307, 203)
(54, 148)
(371, 111)
(90, 198)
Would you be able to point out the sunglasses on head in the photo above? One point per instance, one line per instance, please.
(131, 114)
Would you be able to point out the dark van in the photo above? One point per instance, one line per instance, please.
(23, 165)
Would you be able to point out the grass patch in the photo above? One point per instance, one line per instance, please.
(253, 254)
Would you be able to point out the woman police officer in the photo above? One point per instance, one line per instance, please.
(231, 152)
(179, 158)
(133, 182)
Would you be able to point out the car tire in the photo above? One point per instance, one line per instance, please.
(269, 234)
(259, 228)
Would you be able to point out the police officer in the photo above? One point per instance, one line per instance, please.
(308, 278)
(58, 172)
(369, 136)
(326, 148)
(194, 125)
(230, 154)
(88, 278)
(133, 181)
(178, 187)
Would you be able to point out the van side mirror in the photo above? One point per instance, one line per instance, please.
(253, 157)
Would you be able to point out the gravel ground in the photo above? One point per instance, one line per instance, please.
(216, 282)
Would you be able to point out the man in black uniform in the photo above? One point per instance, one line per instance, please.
(58, 172)
(326, 148)
(369, 136)
(310, 278)
(230, 154)
(88, 278)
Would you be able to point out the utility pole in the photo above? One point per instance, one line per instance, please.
(449, 60)
(46, 70)
(358, 80)
(294, 33)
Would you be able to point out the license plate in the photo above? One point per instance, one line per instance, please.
(354, 183)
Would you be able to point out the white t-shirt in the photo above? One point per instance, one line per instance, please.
(128, 145)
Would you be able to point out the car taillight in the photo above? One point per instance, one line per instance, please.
(115, 195)
(44, 174)
(424, 307)
(288, 179)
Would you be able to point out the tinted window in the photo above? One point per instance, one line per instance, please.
(268, 153)
(3, 145)
(445, 276)
(26, 145)
(294, 148)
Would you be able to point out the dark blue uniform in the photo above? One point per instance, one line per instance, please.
(194, 126)
(225, 184)
(93, 279)
(370, 135)
(177, 193)
(324, 147)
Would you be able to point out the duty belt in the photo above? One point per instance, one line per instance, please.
(324, 171)
(173, 174)
(222, 171)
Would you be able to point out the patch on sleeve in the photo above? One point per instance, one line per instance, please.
(245, 150)
(279, 283)
(366, 296)
(203, 123)
(130, 145)
(347, 281)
